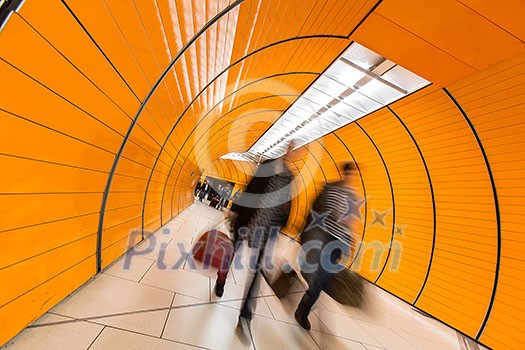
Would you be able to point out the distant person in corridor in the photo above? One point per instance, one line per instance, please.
(203, 190)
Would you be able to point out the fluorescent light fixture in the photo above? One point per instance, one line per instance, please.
(358, 83)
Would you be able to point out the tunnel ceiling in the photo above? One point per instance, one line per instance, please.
(356, 84)
(233, 68)
(111, 110)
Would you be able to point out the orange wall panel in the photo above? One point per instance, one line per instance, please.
(403, 47)
(13, 98)
(59, 206)
(497, 115)
(507, 17)
(47, 144)
(455, 29)
(373, 249)
(457, 198)
(56, 73)
(77, 47)
(35, 303)
(43, 237)
(31, 273)
(401, 160)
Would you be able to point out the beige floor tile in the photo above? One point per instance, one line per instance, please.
(328, 342)
(261, 307)
(330, 304)
(181, 301)
(283, 310)
(427, 344)
(366, 312)
(188, 229)
(343, 326)
(386, 337)
(66, 336)
(107, 295)
(232, 292)
(131, 269)
(238, 277)
(212, 326)
(371, 347)
(116, 339)
(424, 327)
(273, 334)
(150, 323)
(177, 229)
(166, 250)
(179, 281)
(188, 238)
(265, 289)
(363, 314)
(184, 300)
(199, 267)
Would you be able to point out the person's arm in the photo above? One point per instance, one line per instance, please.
(284, 208)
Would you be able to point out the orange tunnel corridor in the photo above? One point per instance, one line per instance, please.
(111, 111)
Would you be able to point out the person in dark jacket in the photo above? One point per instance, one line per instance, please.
(224, 197)
(328, 227)
(261, 211)
(204, 189)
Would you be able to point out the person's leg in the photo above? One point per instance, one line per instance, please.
(252, 289)
(250, 301)
(222, 272)
(318, 283)
(309, 298)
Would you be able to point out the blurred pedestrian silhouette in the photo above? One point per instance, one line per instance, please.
(224, 194)
(259, 214)
(203, 190)
(326, 238)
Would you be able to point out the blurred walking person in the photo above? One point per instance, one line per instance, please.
(327, 230)
(203, 190)
(261, 211)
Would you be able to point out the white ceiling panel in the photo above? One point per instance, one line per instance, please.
(356, 84)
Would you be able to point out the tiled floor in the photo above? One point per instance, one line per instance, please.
(156, 299)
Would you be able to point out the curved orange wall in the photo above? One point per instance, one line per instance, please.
(111, 110)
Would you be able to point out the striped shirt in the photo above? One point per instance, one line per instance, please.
(336, 203)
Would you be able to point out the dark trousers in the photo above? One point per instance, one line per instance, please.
(320, 278)
(222, 272)
(252, 288)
